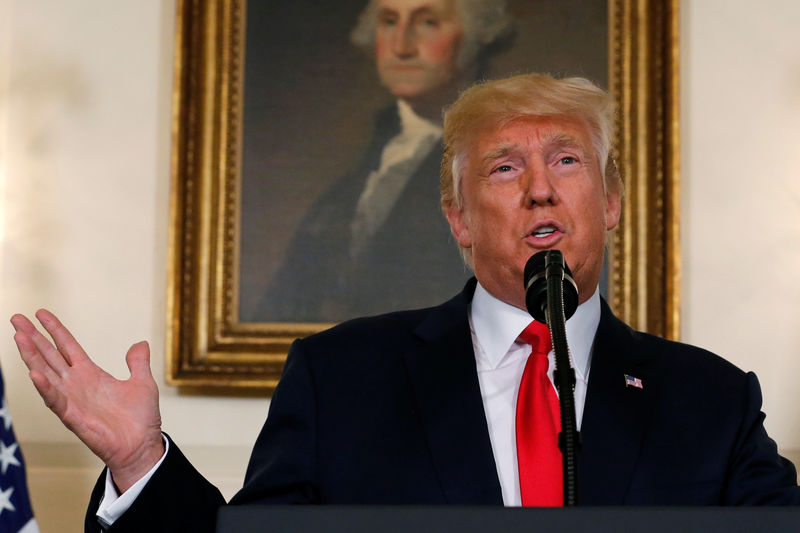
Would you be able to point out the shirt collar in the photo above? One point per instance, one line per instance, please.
(497, 325)
(414, 125)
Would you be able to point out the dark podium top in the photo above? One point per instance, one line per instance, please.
(443, 519)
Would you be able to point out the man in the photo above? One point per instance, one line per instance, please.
(421, 407)
(376, 239)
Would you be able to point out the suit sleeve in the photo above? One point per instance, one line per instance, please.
(282, 468)
(758, 474)
(176, 499)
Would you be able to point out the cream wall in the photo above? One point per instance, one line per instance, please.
(741, 193)
(85, 90)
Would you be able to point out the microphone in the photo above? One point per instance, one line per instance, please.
(551, 297)
(543, 266)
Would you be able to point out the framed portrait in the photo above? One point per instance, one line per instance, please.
(305, 163)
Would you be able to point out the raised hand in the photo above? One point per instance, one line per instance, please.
(118, 420)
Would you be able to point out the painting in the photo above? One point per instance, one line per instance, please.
(306, 152)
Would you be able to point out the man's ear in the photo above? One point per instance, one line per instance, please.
(459, 226)
(613, 209)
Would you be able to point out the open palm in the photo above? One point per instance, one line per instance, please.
(118, 420)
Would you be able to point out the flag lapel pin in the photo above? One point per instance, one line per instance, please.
(631, 381)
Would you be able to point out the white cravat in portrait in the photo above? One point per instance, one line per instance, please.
(400, 158)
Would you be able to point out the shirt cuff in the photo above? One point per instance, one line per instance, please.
(114, 504)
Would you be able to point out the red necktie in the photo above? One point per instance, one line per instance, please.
(538, 425)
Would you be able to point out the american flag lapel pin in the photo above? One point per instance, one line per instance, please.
(631, 381)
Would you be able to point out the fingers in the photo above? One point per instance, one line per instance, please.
(32, 357)
(53, 399)
(38, 346)
(138, 359)
(42, 375)
(64, 340)
(21, 323)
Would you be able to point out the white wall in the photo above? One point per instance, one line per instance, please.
(741, 193)
(85, 89)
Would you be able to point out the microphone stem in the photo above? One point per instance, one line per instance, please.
(564, 377)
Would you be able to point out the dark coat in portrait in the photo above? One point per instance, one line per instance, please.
(409, 261)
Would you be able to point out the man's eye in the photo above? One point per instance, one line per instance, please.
(567, 160)
(432, 22)
(504, 168)
(387, 21)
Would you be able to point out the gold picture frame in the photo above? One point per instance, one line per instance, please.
(210, 351)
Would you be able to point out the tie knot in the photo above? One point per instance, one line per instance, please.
(537, 335)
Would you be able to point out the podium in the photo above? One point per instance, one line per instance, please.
(445, 519)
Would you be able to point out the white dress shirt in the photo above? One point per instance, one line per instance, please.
(113, 504)
(500, 360)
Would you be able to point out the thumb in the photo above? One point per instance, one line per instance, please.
(138, 359)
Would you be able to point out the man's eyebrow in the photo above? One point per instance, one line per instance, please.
(501, 151)
(555, 139)
(425, 10)
(563, 140)
(417, 12)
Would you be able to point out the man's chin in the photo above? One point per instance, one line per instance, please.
(412, 88)
(409, 91)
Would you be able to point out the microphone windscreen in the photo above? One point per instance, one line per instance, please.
(535, 279)
(536, 286)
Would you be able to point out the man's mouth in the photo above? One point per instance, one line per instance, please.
(545, 234)
(544, 231)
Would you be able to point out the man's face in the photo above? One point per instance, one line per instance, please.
(532, 185)
(416, 46)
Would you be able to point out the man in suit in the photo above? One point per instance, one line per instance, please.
(421, 407)
(376, 240)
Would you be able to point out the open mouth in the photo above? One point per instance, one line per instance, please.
(544, 231)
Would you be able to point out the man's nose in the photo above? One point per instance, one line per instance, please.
(404, 42)
(539, 186)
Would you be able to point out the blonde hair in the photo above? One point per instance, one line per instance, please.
(492, 104)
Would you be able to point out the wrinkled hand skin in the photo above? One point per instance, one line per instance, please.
(118, 420)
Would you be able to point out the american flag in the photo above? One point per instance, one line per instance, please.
(631, 381)
(16, 514)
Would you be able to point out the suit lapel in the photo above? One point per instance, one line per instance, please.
(615, 417)
(445, 385)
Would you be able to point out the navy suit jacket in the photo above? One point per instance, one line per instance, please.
(388, 410)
